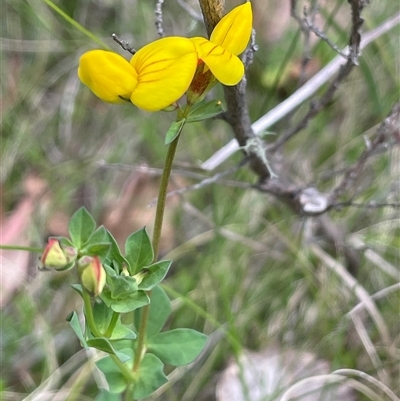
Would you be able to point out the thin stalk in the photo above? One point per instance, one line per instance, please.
(93, 328)
(124, 370)
(129, 393)
(21, 248)
(89, 313)
(162, 195)
(111, 326)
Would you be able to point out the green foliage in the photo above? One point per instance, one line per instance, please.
(73, 321)
(204, 111)
(150, 377)
(115, 379)
(127, 303)
(154, 274)
(177, 347)
(81, 227)
(159, 313)
(118, 260)
(129, 280)
(174, 131)
(139, 252)
(105, 395)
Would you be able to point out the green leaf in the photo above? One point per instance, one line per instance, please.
(116, 255)
(115, 379)
(174, 130)
(102, 315)
(73, 321)
(139, 251)
(177, 347)
(98, 237)
(101, 250)
(103, 344)
(105, 395)
(121, 332)
(122, 287)
(65, 241)
(77, 288)
(129, 304)
(205, 111)
(80, 227)
(150, 377)
(160, 309)
(154, 274)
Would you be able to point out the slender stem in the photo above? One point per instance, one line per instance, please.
(93, 328)
(89, 313)
(129, 393)
(141, 336)
(111, 326)
(162, 195)
(124, 370)
(21, 248)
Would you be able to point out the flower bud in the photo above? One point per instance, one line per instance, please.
(139, 277)
(56, 256)
(92, 273)
(202, 82)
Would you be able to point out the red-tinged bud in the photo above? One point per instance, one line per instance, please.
(202, 82)
(93, 275)
(56, 256)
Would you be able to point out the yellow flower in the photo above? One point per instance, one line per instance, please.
(156, 76)
(228, 39)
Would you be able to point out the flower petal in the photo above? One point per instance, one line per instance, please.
(108, 75)
(234, 30)
(165, 70)
(225, 66)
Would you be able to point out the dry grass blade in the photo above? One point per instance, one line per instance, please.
(369, 347)
(370, 379)
(323, 380)
(358, 290)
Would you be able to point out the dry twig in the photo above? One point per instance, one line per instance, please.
(159, 18)
(302, 94)
(123, 43)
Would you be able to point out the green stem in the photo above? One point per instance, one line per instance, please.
(93, 328)
(111, 326)
(21, 248)
(162, 196)
(129, 393)
(141, 336)
(89, 313)
(124, 370)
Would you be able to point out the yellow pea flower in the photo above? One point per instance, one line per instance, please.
(228, 39)
(156, 76)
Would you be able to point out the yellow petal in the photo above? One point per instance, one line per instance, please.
(234, 30)
(225, 66)
(165, 70)
(108, 75)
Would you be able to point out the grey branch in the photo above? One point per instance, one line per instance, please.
(388, 133)
(159, 18)
(123, 43)
(298, 97)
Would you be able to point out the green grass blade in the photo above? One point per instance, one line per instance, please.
(76, 25)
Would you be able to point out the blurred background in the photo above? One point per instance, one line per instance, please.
(243, 271)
